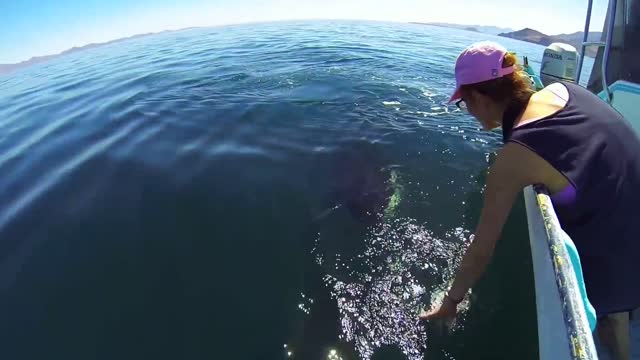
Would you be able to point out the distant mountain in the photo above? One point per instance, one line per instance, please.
(493, 30)
(536, 37)
(6, 68)
(576, 37)
(530, 35)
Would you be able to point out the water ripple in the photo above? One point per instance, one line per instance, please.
(172, 170)
(380, 303)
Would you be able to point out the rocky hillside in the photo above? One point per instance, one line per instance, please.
(536, 37)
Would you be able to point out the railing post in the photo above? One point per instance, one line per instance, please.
(607, 47)
(585, 38)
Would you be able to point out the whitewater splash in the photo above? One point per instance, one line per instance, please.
(403, 270)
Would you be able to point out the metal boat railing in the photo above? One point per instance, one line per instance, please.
(606, 44)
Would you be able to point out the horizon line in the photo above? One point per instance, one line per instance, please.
(79, 47)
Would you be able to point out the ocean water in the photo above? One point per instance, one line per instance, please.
(267, 191)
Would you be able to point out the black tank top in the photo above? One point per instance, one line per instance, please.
(598, 152)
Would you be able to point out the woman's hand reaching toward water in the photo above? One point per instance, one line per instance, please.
(505, 180)
(447, 310)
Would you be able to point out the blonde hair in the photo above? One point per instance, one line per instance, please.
(515, 87)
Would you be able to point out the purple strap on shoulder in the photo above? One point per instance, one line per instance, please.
(566, 196)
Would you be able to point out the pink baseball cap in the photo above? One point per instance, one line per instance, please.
(479, 62)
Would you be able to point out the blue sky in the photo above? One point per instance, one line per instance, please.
(32, 28)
